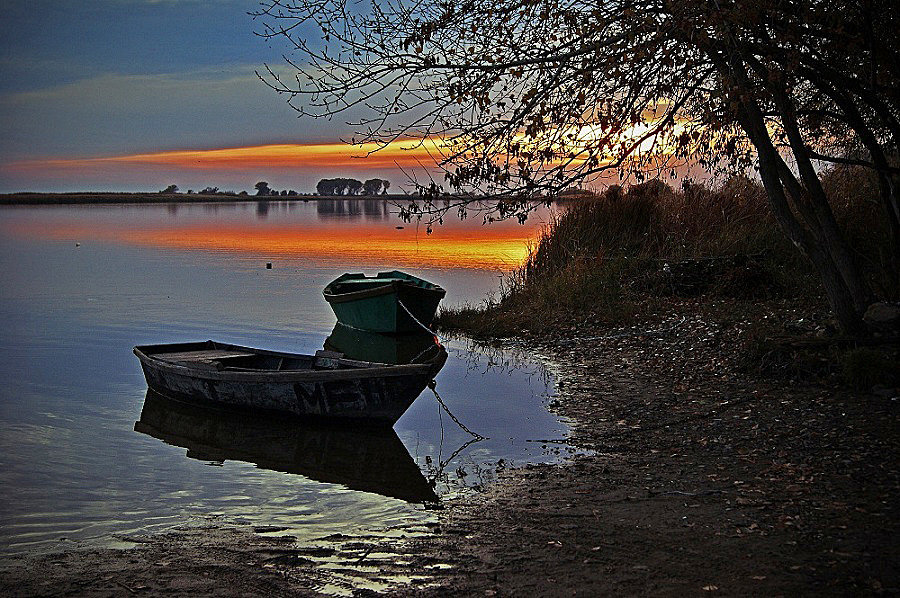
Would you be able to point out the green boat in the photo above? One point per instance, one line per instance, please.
(394, 349)
(391, 302)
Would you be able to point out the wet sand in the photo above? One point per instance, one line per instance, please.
(703, 480)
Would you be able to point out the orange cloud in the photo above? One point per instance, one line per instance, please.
(298, 155)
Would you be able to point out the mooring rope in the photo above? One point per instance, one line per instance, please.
(423, 352)
(416, 320)
(432, 385)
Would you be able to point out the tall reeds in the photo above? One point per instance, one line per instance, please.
(611, 255)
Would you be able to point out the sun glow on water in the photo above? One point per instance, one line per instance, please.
(467, 245)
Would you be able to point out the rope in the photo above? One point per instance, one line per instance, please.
(432, 385)
(416, 320)
(423, 352)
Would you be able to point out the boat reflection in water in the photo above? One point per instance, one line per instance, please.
(369, 460)
(399, 349)
(395, 349)
(359, 457)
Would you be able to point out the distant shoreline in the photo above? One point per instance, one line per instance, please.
(34, 199)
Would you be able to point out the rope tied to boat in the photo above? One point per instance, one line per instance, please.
(433, 386)
(416, 320)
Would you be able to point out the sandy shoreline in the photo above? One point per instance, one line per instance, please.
(702, 481)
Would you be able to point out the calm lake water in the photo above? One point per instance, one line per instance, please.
(86, 455)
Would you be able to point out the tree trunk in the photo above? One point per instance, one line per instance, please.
(887, 183)
(833, 240)
(839, 296)
(810, 239)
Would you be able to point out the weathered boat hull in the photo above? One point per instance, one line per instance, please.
(391, 302)
(378, 393)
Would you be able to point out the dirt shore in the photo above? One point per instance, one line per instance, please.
(702, 481)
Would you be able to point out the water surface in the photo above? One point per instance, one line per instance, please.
(86, 455)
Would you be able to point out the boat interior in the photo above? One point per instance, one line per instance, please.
(228, 357)
(350, 286)
(349, 283)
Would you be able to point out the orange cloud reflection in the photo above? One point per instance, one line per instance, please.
(492, 248)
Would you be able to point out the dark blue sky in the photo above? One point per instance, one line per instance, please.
(52, 42)
(93, 78)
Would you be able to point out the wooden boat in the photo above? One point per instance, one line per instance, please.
(369, 460)
(390, 302)
(325, 385)
(383, 348)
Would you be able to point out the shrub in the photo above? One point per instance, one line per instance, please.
(604, 252)
(866, 367)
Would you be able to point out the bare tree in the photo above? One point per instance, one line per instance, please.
(524, 98)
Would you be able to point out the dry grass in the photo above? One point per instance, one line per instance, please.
(615, 255)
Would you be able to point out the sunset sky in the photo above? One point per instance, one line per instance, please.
(135, 95)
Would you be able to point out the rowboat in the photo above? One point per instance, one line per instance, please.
(383, 348)
(324, 385)
(390, 302)
(367, 459)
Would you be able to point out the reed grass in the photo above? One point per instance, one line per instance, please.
(602, 257)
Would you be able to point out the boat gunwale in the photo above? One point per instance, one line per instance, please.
(358, 369)
(390, 287)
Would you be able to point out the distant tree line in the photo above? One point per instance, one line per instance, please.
(339, 186)
(205, 191)
(262, 190)
(342, 186)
